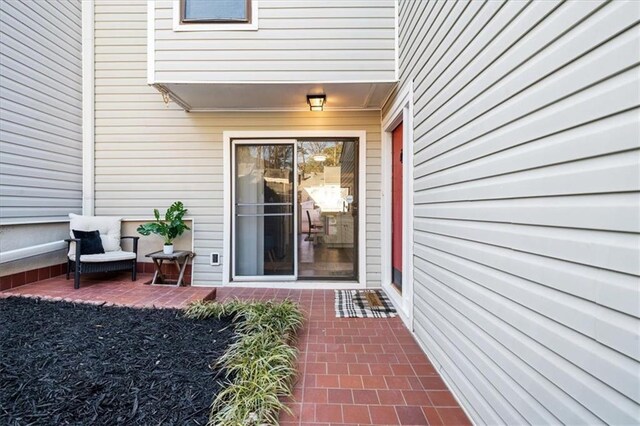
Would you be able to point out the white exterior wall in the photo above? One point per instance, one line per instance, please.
(526, 138)
(40, 129)
(149, 155)
(40, 110)
(311, 40)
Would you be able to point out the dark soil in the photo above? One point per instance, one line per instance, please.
(64, 363)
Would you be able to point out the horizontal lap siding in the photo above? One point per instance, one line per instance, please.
(316, 40)
(149, 155)
(41, 110)
(527, 210)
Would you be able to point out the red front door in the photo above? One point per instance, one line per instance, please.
(396, 209)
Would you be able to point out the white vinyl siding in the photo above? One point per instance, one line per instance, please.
(149, 155)
(313, 40)
(527, 210)
(40, 110)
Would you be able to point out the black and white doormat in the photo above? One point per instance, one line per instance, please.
(363, 304)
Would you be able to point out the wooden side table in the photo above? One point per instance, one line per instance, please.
(179, 258)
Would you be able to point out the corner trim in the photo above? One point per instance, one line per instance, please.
(88, 105)
(151, 41)
(396, 17)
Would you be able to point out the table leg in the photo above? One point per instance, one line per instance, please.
(158, 273)
(182, 269)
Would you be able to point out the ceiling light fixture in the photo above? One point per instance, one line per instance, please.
(316, 102)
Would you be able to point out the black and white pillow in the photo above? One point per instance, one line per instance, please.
(91, 241)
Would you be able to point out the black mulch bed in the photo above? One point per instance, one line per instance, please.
(64, 363)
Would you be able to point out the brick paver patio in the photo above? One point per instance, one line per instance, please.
(351, 370)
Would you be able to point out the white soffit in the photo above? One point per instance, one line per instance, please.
(276, 96)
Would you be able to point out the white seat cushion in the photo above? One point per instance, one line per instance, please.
(108, 226)
(105, 257)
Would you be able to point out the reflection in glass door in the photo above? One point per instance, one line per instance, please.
(263, 211)
(327, 193)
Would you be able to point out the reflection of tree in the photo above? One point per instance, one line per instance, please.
(271, 163)
(277, 157)
(308, 149)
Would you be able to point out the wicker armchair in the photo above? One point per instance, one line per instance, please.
(113, 259)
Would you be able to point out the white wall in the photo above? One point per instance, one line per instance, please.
(149, 155)
(40, 111)
(40, 126)
(312, 40)
(526, 138)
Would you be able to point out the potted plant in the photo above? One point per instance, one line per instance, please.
(169, 228)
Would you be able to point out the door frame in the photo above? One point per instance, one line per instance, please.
(401, 111)
(228, 137)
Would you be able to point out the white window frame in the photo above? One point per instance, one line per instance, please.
(216, 26)
(401, 111)
(265, 136)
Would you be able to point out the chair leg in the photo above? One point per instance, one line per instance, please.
(133, 271)
(76, 277)
(68, 267)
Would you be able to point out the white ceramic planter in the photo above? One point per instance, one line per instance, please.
(168, 249)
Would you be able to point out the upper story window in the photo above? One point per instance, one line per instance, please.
(215, 11)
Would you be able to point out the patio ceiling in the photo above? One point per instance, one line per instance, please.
(275, 96)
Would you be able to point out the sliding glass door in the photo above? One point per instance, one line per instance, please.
(294, 210)
(263, 211)
(327, 209)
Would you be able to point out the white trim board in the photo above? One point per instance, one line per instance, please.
(26, 252)
(32, 222)
(297, 285)
(306, 109)
(88, 112)
(401, 111)
(151, 41)
(361, 135)
(283, 82)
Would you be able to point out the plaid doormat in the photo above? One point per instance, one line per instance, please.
(363, 304)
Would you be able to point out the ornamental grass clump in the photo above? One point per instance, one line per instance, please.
(259, 365)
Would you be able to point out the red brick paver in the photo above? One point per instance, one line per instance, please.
(352, 371)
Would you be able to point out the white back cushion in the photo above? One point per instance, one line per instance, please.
(108, 226)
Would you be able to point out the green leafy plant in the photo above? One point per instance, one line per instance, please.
(260, 365)
(169, 228)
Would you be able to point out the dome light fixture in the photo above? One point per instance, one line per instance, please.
(316, 102)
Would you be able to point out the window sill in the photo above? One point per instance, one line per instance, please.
(215, 26)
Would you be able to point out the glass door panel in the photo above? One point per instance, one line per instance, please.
(327, 194)
(263, 211)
